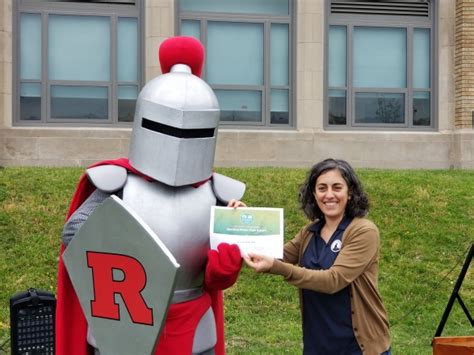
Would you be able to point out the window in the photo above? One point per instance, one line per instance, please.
(78, 62)
(248, 57)
(380, 64)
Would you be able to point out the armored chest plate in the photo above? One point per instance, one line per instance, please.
(180, 218)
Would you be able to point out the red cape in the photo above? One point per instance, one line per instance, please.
(71, 325)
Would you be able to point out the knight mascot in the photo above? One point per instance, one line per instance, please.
(168, 186)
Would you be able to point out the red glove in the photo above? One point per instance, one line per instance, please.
(223, 266)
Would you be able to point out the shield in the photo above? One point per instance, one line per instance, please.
(124, 278)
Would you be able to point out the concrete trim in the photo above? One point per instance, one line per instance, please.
(22, 146)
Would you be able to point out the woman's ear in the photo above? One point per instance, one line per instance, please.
(349, 193)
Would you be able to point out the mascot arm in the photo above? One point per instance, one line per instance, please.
(107, 179)
(78, 218)
(223, 267)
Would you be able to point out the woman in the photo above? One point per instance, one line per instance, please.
(334, 261)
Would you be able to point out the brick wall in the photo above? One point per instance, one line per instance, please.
(464, 64)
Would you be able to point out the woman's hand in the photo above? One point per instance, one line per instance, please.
(236, 203)
(260, 263)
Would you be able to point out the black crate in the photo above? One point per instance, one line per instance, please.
(32, 315)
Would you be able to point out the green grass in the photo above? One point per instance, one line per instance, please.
(426, 219)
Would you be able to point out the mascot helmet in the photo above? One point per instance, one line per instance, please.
(176, 118)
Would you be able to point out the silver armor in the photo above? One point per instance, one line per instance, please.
(180, 218)
(175, 128)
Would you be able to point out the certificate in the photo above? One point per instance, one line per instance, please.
(253, 229)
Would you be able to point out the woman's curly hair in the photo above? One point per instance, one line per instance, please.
(358, 204)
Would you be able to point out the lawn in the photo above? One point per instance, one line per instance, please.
(426, 219)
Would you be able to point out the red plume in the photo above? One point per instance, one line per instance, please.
(181, 50)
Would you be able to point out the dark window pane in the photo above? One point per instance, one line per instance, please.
(337, 107)
(279, 107)
(240, 106)
(127, 97)
(83, 102)
(279, 117)
(421, 109)
(380, 108)
(30, 102)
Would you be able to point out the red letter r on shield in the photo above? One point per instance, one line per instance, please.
(129, 288)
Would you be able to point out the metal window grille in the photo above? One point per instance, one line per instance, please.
(415, 8)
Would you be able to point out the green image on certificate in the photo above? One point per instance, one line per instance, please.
(253, 229)
(247, 221)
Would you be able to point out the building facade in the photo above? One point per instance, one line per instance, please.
(382, 84)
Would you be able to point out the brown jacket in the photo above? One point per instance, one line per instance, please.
(356, 265)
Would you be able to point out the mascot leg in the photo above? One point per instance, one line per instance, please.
(205, 337)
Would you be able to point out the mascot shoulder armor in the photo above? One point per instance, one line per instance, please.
(226, 188)
(107, 178)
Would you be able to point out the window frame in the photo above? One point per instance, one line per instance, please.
(44, 9)
(387, 21)
(266, 20)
